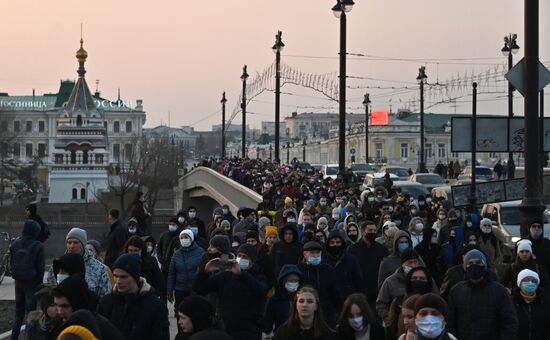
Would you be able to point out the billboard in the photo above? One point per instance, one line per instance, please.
(492, 134)
(379, 118)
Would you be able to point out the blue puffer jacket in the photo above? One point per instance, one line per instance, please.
(183, 268)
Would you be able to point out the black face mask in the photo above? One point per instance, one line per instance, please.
(475, 272)
(419, 287)
(336, 250)
(370, 237)
(214, 255)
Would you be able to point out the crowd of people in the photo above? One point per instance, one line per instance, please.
(316, 259)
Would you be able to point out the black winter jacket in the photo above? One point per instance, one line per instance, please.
(285, 253)
(115, 242)
(369, 258)
(140, 316)
(533, 318)
(29, 241)
(241, 299)
(278, 305)
(482, 311)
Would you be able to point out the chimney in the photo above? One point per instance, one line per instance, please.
(139, 104)
(294, 114)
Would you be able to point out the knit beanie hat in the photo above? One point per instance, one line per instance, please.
(96, 245)
(75, 289)
(475, 254)
(221, 242)
(431, 300)
(313, 245)
(199, 310)
(130, 263)
(271, 230)
(263, 222)
(408, 254)
(250, 251)
(82, 332)
(251, 234)
(79, 234)
(288, 200)
(527, 273)
(486, 221)
(189, 233)
(525, 245)
(44, 296)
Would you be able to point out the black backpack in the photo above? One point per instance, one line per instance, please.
(22, 262)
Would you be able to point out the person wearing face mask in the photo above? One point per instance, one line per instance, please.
(241, 290)
(532, 306)
(540, 244)
(441, 221)
(407, 312)
(323, 208)
(369, 254)
(336, 217)
(288, 250)
(369, 209)
(430, 318)
(357, 321)
(351, 233)
(183, 268)
(452, 227)
(322, 277)
(133, 228)
(194, 219)
(167, 244)
(149, 267)
(346, 266)
(402, 242)
(140, 213)
(416, 230)
(490, 244)
(227, 214)
(278, 305)
(394, 285)
(480, 308)
(247, 222)
(116, 238)
(524, 260)
(433, 255)
(322, 225)
(417, 282)
(67, 265)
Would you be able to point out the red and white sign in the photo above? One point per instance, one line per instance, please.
(379, 118)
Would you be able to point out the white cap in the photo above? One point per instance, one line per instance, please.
(486, 221)
(527, 273)
(524, 245)
(189, 233)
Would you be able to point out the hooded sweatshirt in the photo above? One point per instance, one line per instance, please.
(29, 241)
(393, 261)
(286, 253)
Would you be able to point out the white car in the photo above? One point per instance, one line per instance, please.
(330, 170)
(371, 181)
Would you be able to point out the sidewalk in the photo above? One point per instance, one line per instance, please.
(7, 292)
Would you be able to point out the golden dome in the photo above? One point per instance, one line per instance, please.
(81, 54)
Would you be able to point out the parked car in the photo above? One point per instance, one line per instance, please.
(361, 170)
(400, 172)
(373, 180)
(430, 181)
(330, 170)
(482, 172)
(316, 167)
(301, 165)
(508, 219)
(412, 188)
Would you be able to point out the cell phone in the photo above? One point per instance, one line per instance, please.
(223, 262)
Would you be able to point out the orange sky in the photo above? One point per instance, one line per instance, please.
(179, 56)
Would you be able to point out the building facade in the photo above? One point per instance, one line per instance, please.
(73, 135)
(311, 125)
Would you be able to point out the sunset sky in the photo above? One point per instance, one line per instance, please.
(179, 56)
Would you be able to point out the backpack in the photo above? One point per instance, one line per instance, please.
(22, 262)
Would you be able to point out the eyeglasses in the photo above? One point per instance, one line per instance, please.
(536, 226)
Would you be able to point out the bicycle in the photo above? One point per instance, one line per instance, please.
(5, 268)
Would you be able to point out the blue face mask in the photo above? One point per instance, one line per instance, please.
(314, 261)
(402, 247)
(529, 288)
(132, 230)
(195, 230)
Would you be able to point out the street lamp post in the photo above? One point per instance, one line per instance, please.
(473, 197)
(421, 78)
(510, 48)
(340, 9)
(304, 151)
(270, 152)
(244, 77)
(366, 103)
(277, 48)
(223, 101)
(287, 152)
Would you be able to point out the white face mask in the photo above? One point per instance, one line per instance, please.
(181, 219)
(149, 249)
(243, 263)
(430, 326)
(172, 227)
(291, 287)
(132, 230)
(61, 277)
(291, 220)
(486, 230)
(356, 323)
(185, 242)
(192, 214)
(419, 227)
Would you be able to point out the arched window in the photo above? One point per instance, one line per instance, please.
(116, 127)
(79, 120)
(73, 157)
(75, 193)
(82, 194)
(85, 157)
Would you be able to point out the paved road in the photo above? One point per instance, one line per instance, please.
(7, 292)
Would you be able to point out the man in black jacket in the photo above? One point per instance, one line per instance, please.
(322, 277)
(241, 291)
(133, 307)
(27, 263)
(480, 308)
(288, 250)
(168, 243)
(369, 253)
(540, 245)
(116, 238)
(31, 212)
